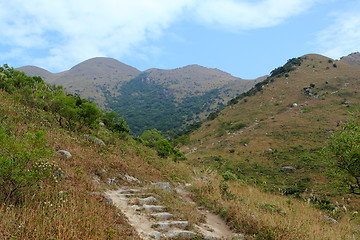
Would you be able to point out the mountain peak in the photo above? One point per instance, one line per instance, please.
(103, 64)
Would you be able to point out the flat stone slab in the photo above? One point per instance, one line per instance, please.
(162, 216)
(148, 200)
(155, 235)
(166, 225)
(153, 208)
(128, 191)
(180, 234)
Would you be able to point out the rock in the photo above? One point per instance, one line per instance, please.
(163, 185)
(95, 139)
(288, 168)
(130, 178)
(65, 153)
(294, 105)
(153, 208)
(180, 234)
(162, 216)
(136, 207)
(148, 200)
(330, 219)
(155, 235)
(238, 236)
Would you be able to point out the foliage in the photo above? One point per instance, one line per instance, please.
(342, 152)
(115, 123)
(146, 105)
(154, 139)
(71, 111)
(23, 163)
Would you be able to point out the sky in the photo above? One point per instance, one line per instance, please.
(246, 38)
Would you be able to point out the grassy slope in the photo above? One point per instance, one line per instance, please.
(272, 122)
(279, 135)
(68, 210)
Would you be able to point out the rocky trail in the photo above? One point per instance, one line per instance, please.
(152, 220)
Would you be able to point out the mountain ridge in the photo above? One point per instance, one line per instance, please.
(103, 80)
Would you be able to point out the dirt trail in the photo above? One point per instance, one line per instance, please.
(214, 226)
(151, 220)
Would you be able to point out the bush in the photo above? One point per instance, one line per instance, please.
(23, 164)
(342, 153)
(154, 139)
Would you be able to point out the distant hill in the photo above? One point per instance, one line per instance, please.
(162, 99)
(89, 78)
(352, 59)
(36, 71)
(273, 134)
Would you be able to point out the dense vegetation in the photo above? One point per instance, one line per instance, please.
(146, 105)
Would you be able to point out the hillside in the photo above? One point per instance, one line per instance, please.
(273, 137)
(170, 99)
(352, 59)
(65, 175)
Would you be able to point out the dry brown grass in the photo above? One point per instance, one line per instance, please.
(68, 209)
(266, 216)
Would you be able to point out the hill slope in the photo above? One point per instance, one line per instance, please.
(170, 99)
(76, 197)
(274, 135)
(352, 59)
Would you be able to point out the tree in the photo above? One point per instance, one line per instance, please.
(152, 138)
(343, 154)
(115, 123)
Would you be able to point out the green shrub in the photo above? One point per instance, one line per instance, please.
(342, 153)
(23, 164)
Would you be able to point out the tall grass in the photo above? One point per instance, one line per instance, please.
(267, 216)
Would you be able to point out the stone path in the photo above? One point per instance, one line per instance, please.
(152, 221)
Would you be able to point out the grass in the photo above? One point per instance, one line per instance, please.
(280, 134)
(267, 216)
(68, 209)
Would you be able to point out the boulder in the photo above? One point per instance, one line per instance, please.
(65, 154)
(95, 139)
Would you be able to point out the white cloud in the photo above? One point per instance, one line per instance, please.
(343, 36)
(243, 15)
(67, 31)
(71, 31)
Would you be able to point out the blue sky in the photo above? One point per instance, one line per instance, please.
(245, 38)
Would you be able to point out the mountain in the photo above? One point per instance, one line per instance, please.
(352, 59)
(162, 99)
(36, 71)
(90, 78)
(273, 135)
(65, 176)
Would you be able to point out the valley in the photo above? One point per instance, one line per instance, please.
(72, 171)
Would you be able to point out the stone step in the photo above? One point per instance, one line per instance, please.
(180, 234)
(148, 200)
(134, 195)
(162, 216)
(166, 225)
(152, 208)
(127, 191)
